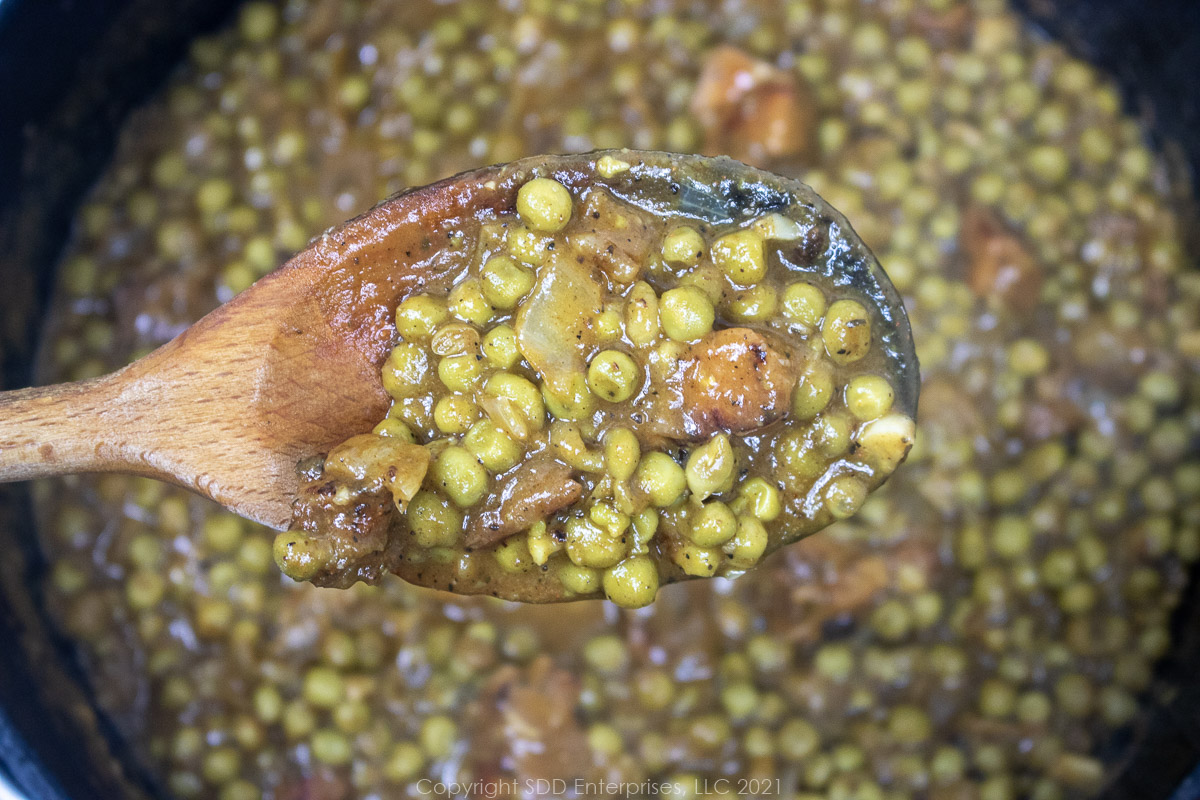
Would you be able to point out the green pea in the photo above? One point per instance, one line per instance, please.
(756, 304)
(610, 520)
(298, 719)
(513, 555)
(713, 525)
(761, 499)
(645, 524)
(468, 303)
(813, 391)
(268, 704)
(997, 698)
(909, 725)
(642, 314)
(741, 255)
(528, 246)
(258, 21)
(748, 544)
(505, 281)
(683, 245)
(331, 747)
(831, 434)
(607, 324)
(869, 397)
(522, 393)
(847, 331)
(660, 479)
(590, 546)
(544, 205)
(1075, 694)
(605, 740)
(613, 375)
(214, 195)
(144, 590)
(687, 313)
(462, 477)
(798, 739)
(579, 580)
(223, 532)
(579, 403)
(323, 687)
(633, 583)
(419, 316)
(1033, 708)
(395, 429)
(433, 521)
(1011, 536)
(500, 347)
(454, 414)
(300, 556)
(455, 339)
(403, 763)
(70, 579)
(437, 736)
(701, 562)
(607, 655)
(621, 453)
(1049, 164)
(710, 467)
(492, 446)
(835, 662)
(405, 371)
(221, 765)
(844, 495)
(708, 279)
(459, 373)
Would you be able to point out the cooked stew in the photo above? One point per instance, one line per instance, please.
(987, 625)
(618, 387)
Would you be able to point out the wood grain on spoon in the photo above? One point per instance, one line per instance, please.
(284, 371)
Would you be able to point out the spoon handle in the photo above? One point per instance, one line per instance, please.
(68, 427)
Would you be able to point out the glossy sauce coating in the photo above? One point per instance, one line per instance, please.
(988, 625)
(608, 376)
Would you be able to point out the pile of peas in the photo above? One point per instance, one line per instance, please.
(551, 365)
(984, 627)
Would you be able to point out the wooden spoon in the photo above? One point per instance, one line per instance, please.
(290, 367)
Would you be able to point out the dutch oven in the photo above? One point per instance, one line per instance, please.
(70, 70)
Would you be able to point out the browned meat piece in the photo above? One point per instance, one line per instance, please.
(735, 380)
(1000, 265)
(528, 727)
(615, 241)
(533, 491)
(354, 534)
(949, 28)
(751, 110)
(320, 786)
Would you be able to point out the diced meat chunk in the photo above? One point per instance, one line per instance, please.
(1000, 265)
(735, 380)
(752, 110)
(533, 491)
(615, 241)
(529, 727)
(353, 537)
